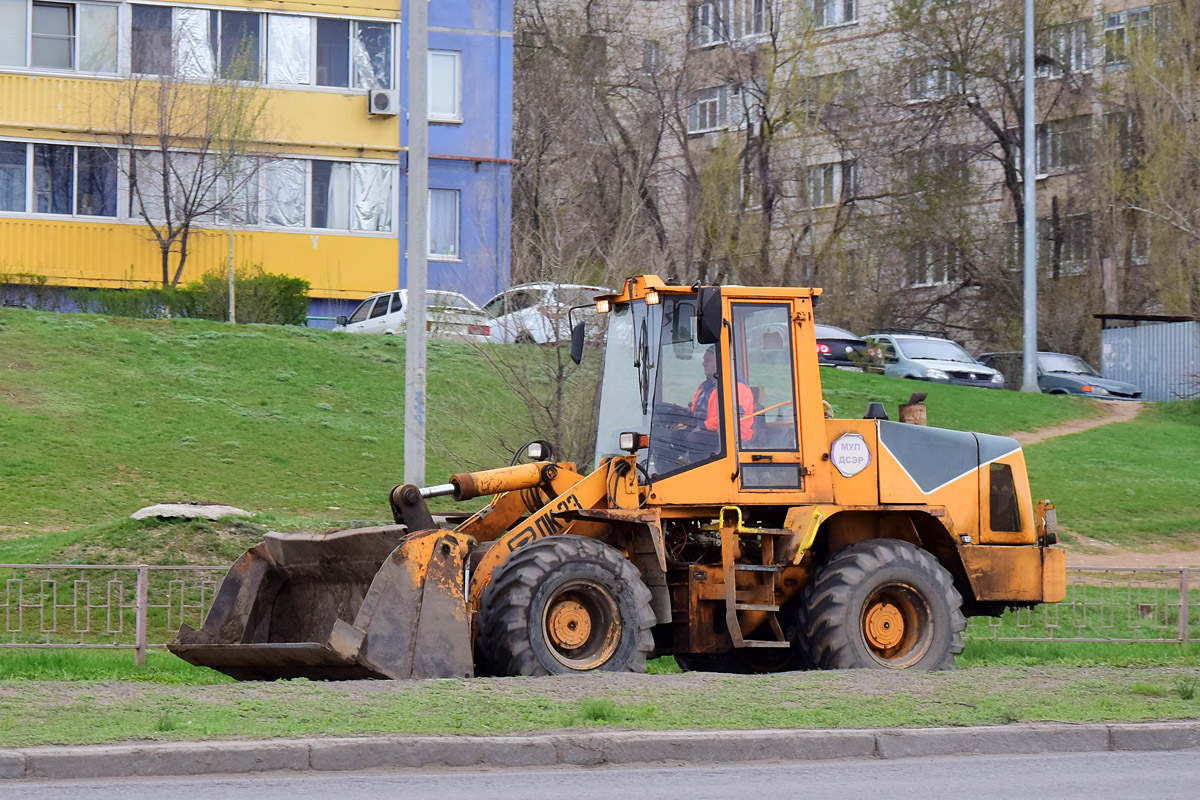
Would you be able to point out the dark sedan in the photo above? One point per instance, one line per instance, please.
(838, 347)
(1061, 373)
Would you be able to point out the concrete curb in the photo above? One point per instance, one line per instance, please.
(608, 748)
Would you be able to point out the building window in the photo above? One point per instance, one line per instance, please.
(445, 101)
(12, 176)
(933, 264)
(652, 58)
(712, 22)
(1066, 247)
(1064, 49)
(929, 80)
(331, 194)
(827, 13)
(830, 184)
(283, 181)
(354, 54)
(709, 110)
(150, 52)
(755, 17)
(52, 36)
(74, 180)
(59, 36)
(239, 44)
(1124, 33)
(289, 50)
(1063, 143)
(443, 224)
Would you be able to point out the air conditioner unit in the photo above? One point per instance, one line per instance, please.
(383, 103)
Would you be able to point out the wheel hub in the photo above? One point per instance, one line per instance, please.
(569, 624)
(883, 625)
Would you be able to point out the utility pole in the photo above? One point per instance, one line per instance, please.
(418, 200)
(232, 300)
(1029, 378)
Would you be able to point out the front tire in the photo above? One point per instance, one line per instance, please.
(566, 604)
(882, 604)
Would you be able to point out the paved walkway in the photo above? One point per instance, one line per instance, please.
(581, 749)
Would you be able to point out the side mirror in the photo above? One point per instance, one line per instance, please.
(577, 333)
(708, 328)
(341, 320)
(891, 358)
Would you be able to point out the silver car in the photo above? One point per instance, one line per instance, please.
(449, 315)
(537, 312)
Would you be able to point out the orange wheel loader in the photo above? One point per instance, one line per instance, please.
(725, 521)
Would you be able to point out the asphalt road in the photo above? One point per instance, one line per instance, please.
(1086, 776)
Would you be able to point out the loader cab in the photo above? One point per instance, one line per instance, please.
(711, 411)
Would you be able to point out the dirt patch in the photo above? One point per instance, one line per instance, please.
(1088, 552)
(1114, 411)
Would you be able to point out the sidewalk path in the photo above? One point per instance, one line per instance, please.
(581, 749)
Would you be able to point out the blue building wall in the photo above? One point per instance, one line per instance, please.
(473, 156)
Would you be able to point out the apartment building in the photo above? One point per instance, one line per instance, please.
(325, 198)
(879, 152)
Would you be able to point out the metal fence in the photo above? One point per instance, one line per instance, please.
(102, 606)
(141, 607)
(1106, 605)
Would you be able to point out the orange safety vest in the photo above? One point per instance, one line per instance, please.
(706, 399)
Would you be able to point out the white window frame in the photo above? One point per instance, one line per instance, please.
(312, 84)
(1053, 143)
(457, 255)
(833, 179)
(715, 98)
(711, 23)
(940, 264)
(1070, 42)
(756, 19)
(834, 13)
(929, 80)
(77, 38)
(456, 116)
(1125, 26)
(30, 209)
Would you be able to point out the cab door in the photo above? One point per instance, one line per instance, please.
(763, 385)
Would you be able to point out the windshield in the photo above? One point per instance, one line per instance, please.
(933, 350)
(621, 395)
(659, 380)
(1058, 362)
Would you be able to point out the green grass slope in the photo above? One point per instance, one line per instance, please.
(100, 416)
(1133, 483)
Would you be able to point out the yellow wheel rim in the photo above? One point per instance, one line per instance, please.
(896, 625)
(884, 626)
(568, 624)
(582, 625)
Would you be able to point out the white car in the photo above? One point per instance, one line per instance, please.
(537, 312)
(449, 315)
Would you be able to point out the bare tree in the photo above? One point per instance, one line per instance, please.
(189, 150)
(1149, 176)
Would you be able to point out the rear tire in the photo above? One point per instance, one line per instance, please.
(882, 604)
(566, 604)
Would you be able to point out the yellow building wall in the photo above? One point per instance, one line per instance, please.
(73, 252)
(123, 253)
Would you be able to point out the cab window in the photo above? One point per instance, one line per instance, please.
(381, 307)
(361, 312)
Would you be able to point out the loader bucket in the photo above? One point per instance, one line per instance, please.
(364, 603)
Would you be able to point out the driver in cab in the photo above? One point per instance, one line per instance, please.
(707, 408)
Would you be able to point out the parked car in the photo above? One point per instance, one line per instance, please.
(449, 315)
(932, 358)
(1061, 373)
(838, 347)
(537, 312)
